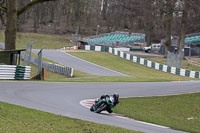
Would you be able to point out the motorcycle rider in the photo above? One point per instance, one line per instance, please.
(116, 101)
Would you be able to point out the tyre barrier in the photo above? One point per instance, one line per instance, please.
(144, 62)
(15, 72)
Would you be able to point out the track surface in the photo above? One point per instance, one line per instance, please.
(64, 98)
(77, 63)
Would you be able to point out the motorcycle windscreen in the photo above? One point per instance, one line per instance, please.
(112, 99)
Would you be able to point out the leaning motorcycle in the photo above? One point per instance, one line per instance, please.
(104, 104)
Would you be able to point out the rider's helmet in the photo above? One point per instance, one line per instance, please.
(116, 96)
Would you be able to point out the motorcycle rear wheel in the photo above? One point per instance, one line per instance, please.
(92, 108)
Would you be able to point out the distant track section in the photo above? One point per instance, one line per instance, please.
(78, 64)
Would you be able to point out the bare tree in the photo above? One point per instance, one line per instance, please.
(12, 13)
(148, 20)
(185, 11)
(2, 11)
(170, 6)
(156, 18)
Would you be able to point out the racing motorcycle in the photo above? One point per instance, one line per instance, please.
(104, 104)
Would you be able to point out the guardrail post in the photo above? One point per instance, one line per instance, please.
(40, 64)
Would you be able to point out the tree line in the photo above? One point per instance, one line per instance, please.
(156, 18)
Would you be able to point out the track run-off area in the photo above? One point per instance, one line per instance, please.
(65, 98)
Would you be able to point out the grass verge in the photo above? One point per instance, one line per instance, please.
(16, 119)
(138, 72)
(50, 41)
(184, 63)
(180, 112)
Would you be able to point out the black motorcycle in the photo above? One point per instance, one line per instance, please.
(104, 104)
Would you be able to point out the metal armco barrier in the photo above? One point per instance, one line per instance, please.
(67, 71)
(15, 72)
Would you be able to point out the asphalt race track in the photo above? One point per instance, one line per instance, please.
(64, 98)
(77, 63)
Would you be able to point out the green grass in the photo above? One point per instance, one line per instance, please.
(138, 72)
(16, 119)
(180, 112)
(2, 36)
(50, 41)
(185, 63)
